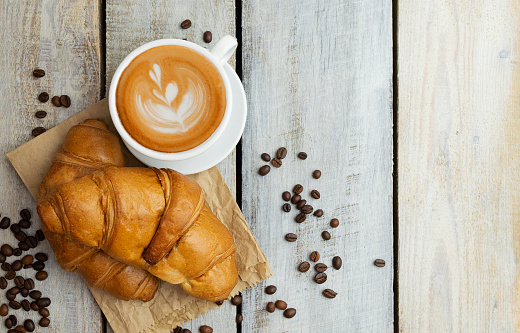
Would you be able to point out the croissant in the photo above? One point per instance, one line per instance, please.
(138, 222)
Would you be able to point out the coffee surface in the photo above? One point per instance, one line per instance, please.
(170, 98)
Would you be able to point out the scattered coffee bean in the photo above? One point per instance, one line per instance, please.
(56, 101)
(2, 258)
(23, 246)
(10, 296)
(205, 328)
(28, 284)
(320, 278)
(65, 101)
(21, 236)
(18, 281)
(44, 322)
(239, 318)
(13, 319)
(301, 203)
(320, 267)
(334, 223)
(300, 218)
(304, 266)
(26, 305)
(16, 265)
(24, 292)
(17, 252)
(325, 235)
(265, 157)
(29, 325)
(43, 97)
(43, 302)
(38, 266)
(11, 331)
(177, 329)
(379, 263)
(40, 114)
(14, 305)
(270, 307)
(286, 207)
(6, 266)
(318, 213)
(186, 330)
(10, 275)
(264, 170)
(32, 242)
(236, 300)
(281, 153)
(316, 174)
(8, 323)
(302, 155)
(39, 235)
(270, 290)
(26, 224)
(219, 303)
(34, 307)
(44, 312)
(38, 73)
(36, 294)
(25, 214)
(40, 276)
(315, 256)
(208, 36)
(329, 293)
(315, 194)
(289, 313)
(286, 196)
(37, 131)
(15, 228)
(6, 250)
(5, 222)
(28, 259)
(3, 283)
(307, 209)
(280, 304)
(14, 291)
(337, 262)
(186, 24)
(296, 198)
(276, 162)
(290, 237)
(4, 310)
(297, 189)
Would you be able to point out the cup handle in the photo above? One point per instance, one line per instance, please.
(224, 49)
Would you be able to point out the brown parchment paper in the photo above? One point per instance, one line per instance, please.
(171, 306)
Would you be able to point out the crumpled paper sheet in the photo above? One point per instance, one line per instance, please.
(171, 306)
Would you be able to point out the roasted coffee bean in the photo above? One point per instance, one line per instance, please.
(2, 258)
(16, 265)
(280, 304)
(11, 331)
(9, 296)
(40, 276)
(29, 325)
(307, 209)
(289, 313)
(21, 236)
(219, 303)
(28, 284)
(28, 259)
(320, 278)
(239, 318)
(32, 242)
(43, 97)
(286, 196)
(24, 292)
(10, 275)
(290, 237)
(286, 207)
(13, 319)
(301, 203)
(17, 252)
(325, 235)
(316, 174)
(264, 170)
(270, 290)
(43, 302)
(281, 153)
(276, 162)
(36, 294)
(186, 330)
(18, 281)
(270, 307)
(337, 262)
(208, 36)
(15, 228)
(177, 329)
(37, 131)
(6, 266)
(38, 72)
(14, 291)
(3, 283)
(296, 198)
(300, 218)
(44, 312)
(14, 305)
(6, 250)
(8, 323)
(185, 24)
(297, 189)
(56, 101)
(26, 224)
(4, 310)
(379, 263)
(265, 157)
(304, 266)
(334, 223)
(302, 155)
(318, 212)
(34, 306)
(23, 246)
(320, 267)
(65, 101)
(315, 256)
(5, 222)
(40, 114)
(39, 235)
(236, 300)
(44, 322)
(38, 266)
(205, 328)
(315, 194)
(25, 214)
(329, 293)
(26, 305)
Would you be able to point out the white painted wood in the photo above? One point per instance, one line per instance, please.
(318, 77)
(130, 24)
(459, 148)
(61, 37)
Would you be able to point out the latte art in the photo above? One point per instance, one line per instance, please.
(170, 98)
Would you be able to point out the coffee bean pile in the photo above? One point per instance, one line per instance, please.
(32, 299)
(279, 304)
(207, 36)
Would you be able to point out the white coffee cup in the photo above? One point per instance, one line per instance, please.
(218, 55)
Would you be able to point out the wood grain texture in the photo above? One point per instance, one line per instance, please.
(318, 77)
(130, 24)
(459, 148)
(61, 37)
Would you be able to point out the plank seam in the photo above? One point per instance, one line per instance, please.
(395, 107)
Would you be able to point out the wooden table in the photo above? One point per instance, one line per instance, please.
(411, 110)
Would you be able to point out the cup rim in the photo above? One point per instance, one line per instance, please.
(176, 156)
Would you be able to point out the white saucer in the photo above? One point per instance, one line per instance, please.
(222, 147)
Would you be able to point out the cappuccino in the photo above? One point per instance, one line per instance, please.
(170, 98)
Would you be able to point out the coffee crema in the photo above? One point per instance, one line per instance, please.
(170, 98)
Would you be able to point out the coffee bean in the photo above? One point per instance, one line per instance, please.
(40, 276)
(379, 263)
(24, 292)
(239, 318)
(44, 322)
(5, 222)
(186, 330)
(26, 305)
(4, 310)
(14, 305)
(320, 267)
(286, 208)
(304, 267)
(270, 307)
(43, 302)
(296, 198)
(276, 162)
(2, 258)
(34, 307)
(56, 101)
(14, 291)
(301, 203)
(281, 153)
(315, 256)
(302, 155)
(300, 218)
(337, 262)
(315, 194)
(6, 250)
(17, 252)
(13, 319)
(325, 235)
(18, 281)
(3, 283)
(40, 114)
(208, 36)
(219, 303)
(38, 266)
(334, 223)
(205, 328)
(32, 242)
(280, 304)
(269, 290)
(297, 189)
(37, 131)
(265, 157)
(23, 246)
(39, 235)
(329, 293)
(290, 237)
(21, 236)
(11, 331)
(25, 214)
(9, 296)
(185, 24)
(36, 294)
(10, 275)
(8, 323)
(320, 278)
(28, 284)
(44, 312)
(316, 174)
(318, 212)
(15, 228)
(43, 97)
(16, 265)
(289, 313)
(307, 209)
(38, 72)
(29, 325)
(28, 259)
(65, 101)
(236, 300)
(286, 196)
(26, 224)
(264, 170)
(6, 266)
(177, 329)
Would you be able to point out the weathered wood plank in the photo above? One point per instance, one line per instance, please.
(130, 24)
(459, 148)
(318, 77)
(61, 37)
